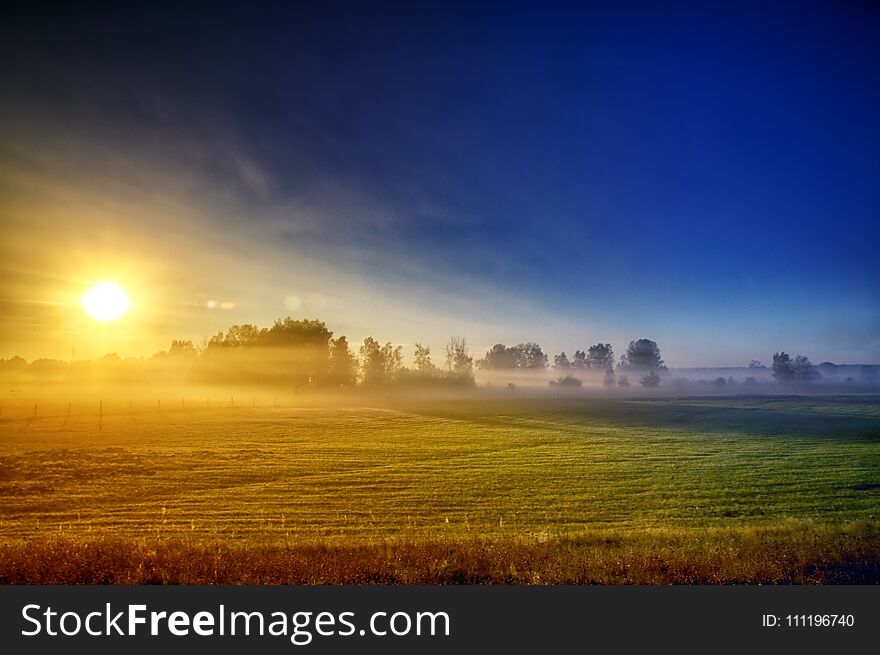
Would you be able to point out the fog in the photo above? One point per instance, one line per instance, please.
(312, 377)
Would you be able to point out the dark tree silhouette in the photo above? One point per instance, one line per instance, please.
(783, 368)
(641, 355)
(600, 357)
(799, 369)
(498, 357)
(650, 380)
(524, 355)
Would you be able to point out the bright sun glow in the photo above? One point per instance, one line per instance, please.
(106, 301)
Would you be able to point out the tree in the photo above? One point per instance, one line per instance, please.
(756, 364)
(499, 357)
(600, 357)
(799, 369)
(238, 336)
(524, 355)
(343, 363)
(641, 355)
(290, 332)
(300, 348)
(609, 378)
(290, 352)
(182, 348)
(782, 367)
(560, 361)
(182, 355)
(529, 355)
(181, 352)
(422, 360)
(241, 336)
(579, 360)
(803, 369)
(380, 363)
(458, 357)
(651, 380)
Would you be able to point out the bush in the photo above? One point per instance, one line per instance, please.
(566, 381)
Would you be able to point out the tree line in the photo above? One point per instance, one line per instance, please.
(306, 353)
(642, 355)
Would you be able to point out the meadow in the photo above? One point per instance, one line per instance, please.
(493, 488)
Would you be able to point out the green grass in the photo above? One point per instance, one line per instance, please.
(421, 472)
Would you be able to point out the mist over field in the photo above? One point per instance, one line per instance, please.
(305, 357)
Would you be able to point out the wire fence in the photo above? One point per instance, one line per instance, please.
(23, 413)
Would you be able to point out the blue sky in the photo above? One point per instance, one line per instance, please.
(706, 176)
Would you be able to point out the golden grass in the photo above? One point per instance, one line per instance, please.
(795, 552)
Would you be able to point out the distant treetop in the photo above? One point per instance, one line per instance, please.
(641, 355)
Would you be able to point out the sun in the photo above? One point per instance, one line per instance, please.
(106, 301)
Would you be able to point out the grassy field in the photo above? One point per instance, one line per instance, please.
(520, 474)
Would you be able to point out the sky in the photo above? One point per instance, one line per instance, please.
(704, 175)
